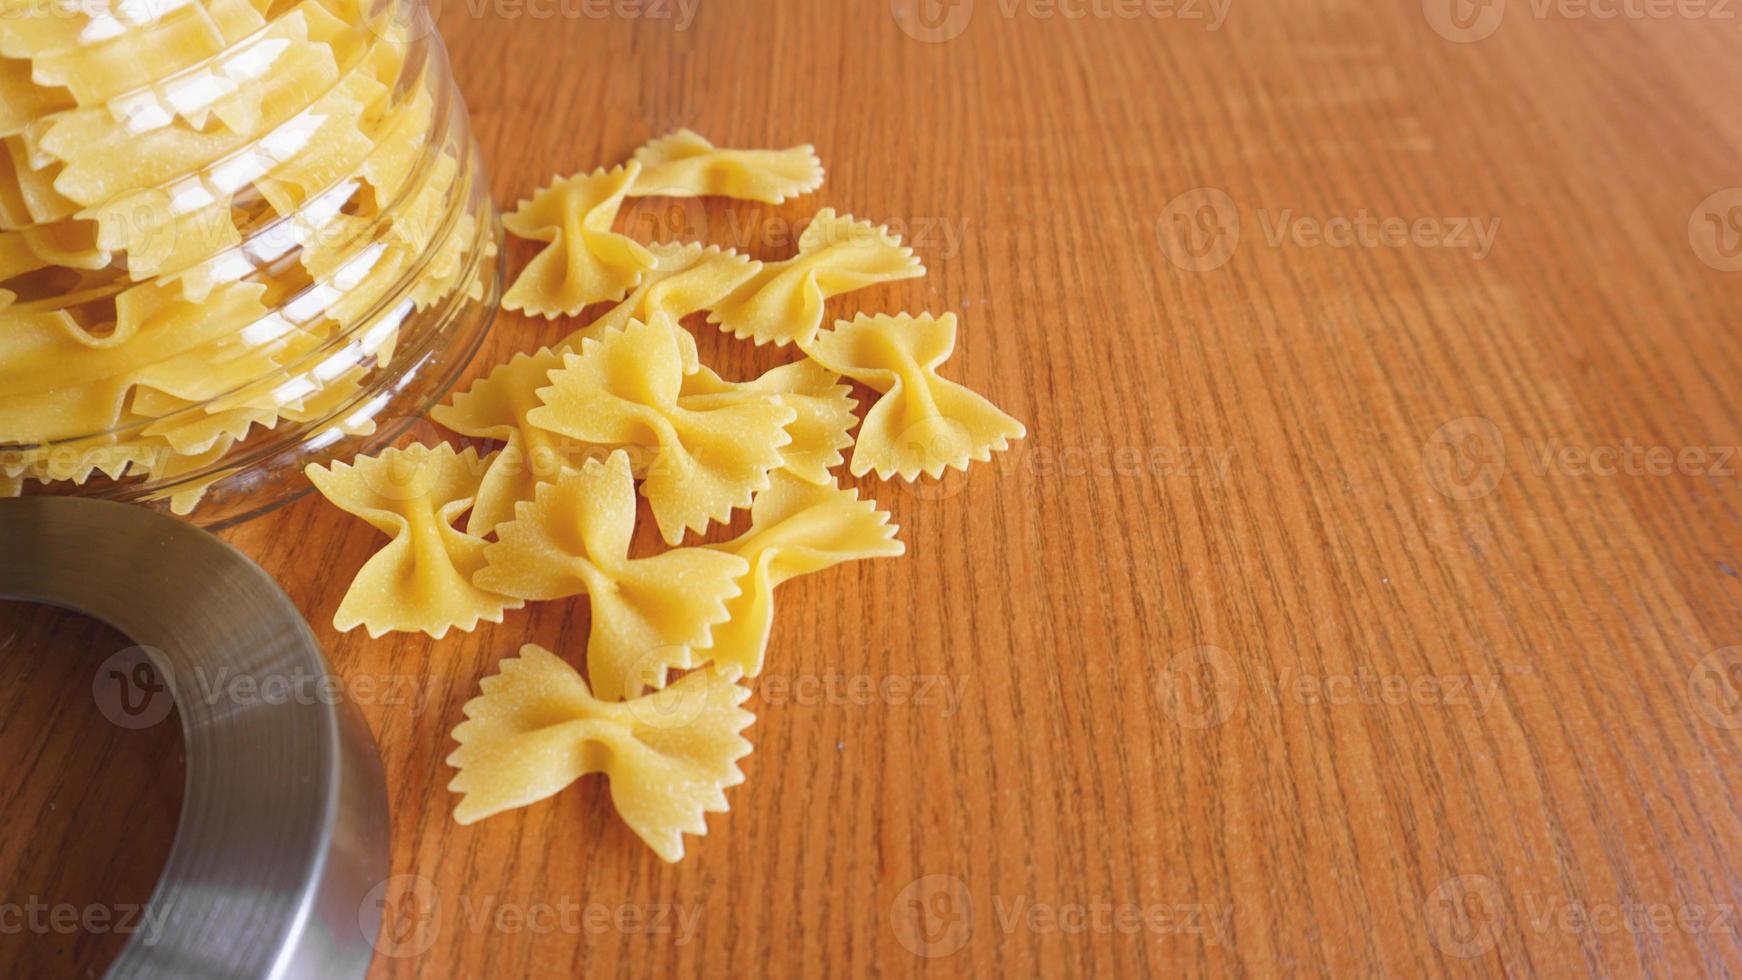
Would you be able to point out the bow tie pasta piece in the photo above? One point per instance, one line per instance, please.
(683, 164)
(73, 244)
(104, 160)
(837, 254)
(586, 262)
(669, 756)
(495, 407)
(100, 52)
(923, 423)
(795, 528)
(422, 580)
(184, 496)
(22, 101)
(684, 279)
(163, 231)
(824, 407)
(27, 193)
(59, 380)
(195, 433)
(648, 613)
(700, 461)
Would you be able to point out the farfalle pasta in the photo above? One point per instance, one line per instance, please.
(684, 164)
(700, 456)
(822, 412)
(222, 223)
(923, 423)
(536, 728)
(649, 615)
(684, 279)
(627, 398)
(421, 581)
(585, 261)
(495, 407)
(783, 302)
(795, 528)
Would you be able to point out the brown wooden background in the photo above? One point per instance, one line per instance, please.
(1364, 608)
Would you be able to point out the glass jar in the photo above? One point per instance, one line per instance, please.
(236, 237)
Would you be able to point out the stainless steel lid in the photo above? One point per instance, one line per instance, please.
(283, 830)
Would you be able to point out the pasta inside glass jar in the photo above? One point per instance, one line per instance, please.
(236, 236)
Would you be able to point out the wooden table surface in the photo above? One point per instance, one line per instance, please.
(1365, 598)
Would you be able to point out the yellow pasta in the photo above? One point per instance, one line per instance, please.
(795, 528)
(648, 614)
(684, 279)
(78, 461)
(30, 195)
(164, 231)
(586, 262)
(823, 407)
(103, 159)
(215, 217)
(701, 458)
(56, 383)
(783, 303)
(183, 497)
(421, 581)
(22, 101)
(194, 430)
(923, 423)
(495, 407)
(683, 164)
(83, 47)
(536, 728)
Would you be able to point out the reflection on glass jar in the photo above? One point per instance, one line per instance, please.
(236, 236)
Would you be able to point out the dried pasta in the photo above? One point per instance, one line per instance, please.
(648, 614)
(586, 262)
(536, 728)
(700, 456)
(823, 406)
(422, 580)
(795, 528)
(683, 164)
(923, 423)
(684, 279)
(495, 407)
(215, 219)
(783, 302)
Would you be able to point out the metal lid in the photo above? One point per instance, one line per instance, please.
(283, 829)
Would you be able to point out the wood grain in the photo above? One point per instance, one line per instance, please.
(1340, 614)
